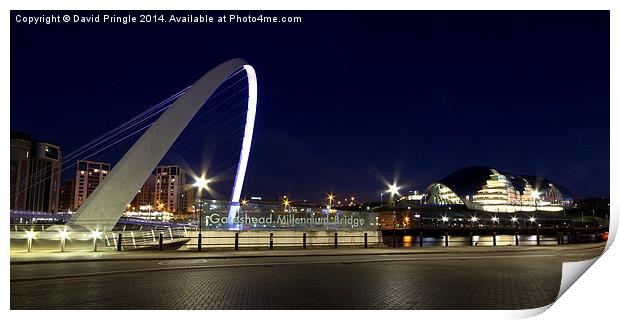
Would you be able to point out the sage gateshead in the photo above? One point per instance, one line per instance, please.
(488, 189)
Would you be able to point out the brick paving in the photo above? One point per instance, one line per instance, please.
(434, 284)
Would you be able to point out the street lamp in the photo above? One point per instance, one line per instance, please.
(30, 236)
(330, 197)
(393, 190)
(96, 235)
(473, 219)
(63, 236)
(514, 219)
(200, 183)
(494, 220)
(532, 220)
(286, 203)
(536, 196)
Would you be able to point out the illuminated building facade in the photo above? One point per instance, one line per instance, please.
(88, 175)
(169, 187)
(35, 174)
(488, 189)
(44, 184)
(146, 194)
(21, 152)
(67, 196)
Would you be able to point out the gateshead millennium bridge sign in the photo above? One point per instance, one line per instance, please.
(335, 220)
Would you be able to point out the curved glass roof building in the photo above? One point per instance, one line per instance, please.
(488, 189)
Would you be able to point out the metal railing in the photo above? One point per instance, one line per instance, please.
(45, 237)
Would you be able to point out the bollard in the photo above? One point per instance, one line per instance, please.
(471, 239)
(200, 242)
(161, 241)
(236, 240)
(537, 237)
(304, 240)
(119, 244)
(394, 240)
(421, 240)
(336, 240)
(446, 238)
(516, 238)
(271, 241)
(494, 238)
(29, 244)
(365, 240)
(558, 237)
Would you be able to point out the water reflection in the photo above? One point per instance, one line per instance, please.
(408, 241)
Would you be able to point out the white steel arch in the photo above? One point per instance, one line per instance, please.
(104, 207)
(245, 145)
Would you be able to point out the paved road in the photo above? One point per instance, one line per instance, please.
(488, 280)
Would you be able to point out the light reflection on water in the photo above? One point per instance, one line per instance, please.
(459, 241)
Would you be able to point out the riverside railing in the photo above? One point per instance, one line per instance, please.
(46, 238)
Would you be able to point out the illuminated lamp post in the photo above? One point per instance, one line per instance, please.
(286, 203)
(513, 220)
(330, 197)
(30, 236)
(96, 235)
(63, 236)
(473, 219)
(393, 190)
(444, 219)
(495, 220)
(200, 183)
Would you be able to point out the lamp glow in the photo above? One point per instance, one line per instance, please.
(64, 234)
(393, 189)
(201, 183)
(96, 234)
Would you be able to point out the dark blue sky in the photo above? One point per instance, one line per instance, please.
(348, 97)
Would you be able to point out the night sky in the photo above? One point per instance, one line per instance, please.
(347, 99)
